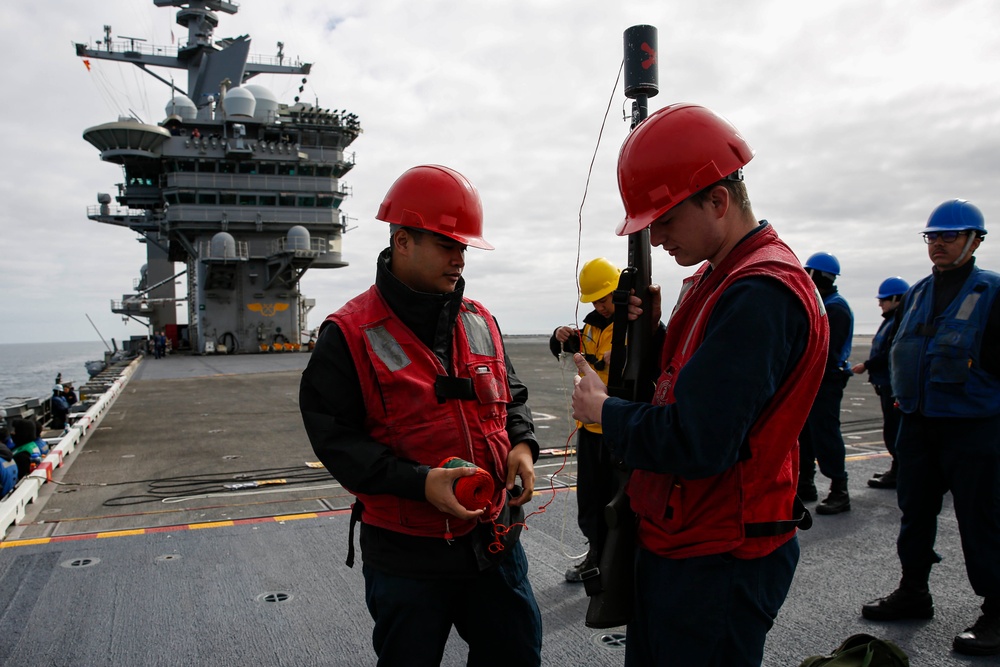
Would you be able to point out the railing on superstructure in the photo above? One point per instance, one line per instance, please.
(284, 244)
(129, 48)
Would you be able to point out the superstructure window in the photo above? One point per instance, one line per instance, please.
(267, 168)
(208, 198)
(247, 199)
(268, 200)
(286, 169)
(227, 198)
(248, 167)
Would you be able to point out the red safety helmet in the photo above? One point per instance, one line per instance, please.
(677, 151)
(436, 199)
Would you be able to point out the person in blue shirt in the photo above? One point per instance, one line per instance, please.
(60, 408)
(159, 345)
(945, 367)
(890, 295)
(820, 439)
(8, 467)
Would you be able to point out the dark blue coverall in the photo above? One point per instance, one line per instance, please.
(958, 454)
(821, 439)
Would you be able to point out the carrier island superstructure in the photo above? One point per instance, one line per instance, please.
(242, 190)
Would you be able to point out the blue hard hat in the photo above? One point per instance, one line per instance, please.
(825, 262)
(956, 215)
(890, 287)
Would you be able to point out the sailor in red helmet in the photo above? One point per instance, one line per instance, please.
(403, 377)
(714, 456)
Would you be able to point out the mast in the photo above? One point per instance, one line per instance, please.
(206, 62)
(241, 188)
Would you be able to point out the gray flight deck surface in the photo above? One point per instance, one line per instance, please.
(206, 576)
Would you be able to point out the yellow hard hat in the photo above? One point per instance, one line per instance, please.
(598, 278)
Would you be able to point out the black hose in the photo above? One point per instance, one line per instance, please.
(234, 347)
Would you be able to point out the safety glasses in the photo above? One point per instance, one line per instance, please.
(947, 237)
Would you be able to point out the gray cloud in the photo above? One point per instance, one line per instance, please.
(864, 118)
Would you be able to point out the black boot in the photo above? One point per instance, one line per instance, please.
(838, 501)
(577, 573)
(807, 489)
(911, 600)
(886, 480)
(983, 638)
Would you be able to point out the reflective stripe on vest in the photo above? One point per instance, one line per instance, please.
(936, 366)
(422, 412)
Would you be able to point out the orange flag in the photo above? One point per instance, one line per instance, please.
(86, 63)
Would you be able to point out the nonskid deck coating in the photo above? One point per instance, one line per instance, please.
(190, 582)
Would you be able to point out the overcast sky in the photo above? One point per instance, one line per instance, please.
(864, 116)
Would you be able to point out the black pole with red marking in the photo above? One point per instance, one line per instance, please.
(610, 586)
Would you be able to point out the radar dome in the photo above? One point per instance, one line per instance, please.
(181, 105)
(267, 103)
(223, 246)
(298, 238)
(239, 102)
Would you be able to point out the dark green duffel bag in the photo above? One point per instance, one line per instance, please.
(861, 651)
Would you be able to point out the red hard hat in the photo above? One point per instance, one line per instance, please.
(677, 151)
(436, 199)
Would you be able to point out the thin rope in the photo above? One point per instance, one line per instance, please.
(586, 188)
(499, 530)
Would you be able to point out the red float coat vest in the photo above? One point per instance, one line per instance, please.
(398, 373)
(681, 518)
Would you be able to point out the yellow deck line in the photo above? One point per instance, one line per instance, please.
(211, 524)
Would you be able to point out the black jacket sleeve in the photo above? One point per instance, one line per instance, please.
(571, 346)
(879, 362)
(840, 320)
(333, 412)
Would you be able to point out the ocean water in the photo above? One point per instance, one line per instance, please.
(30, 369)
